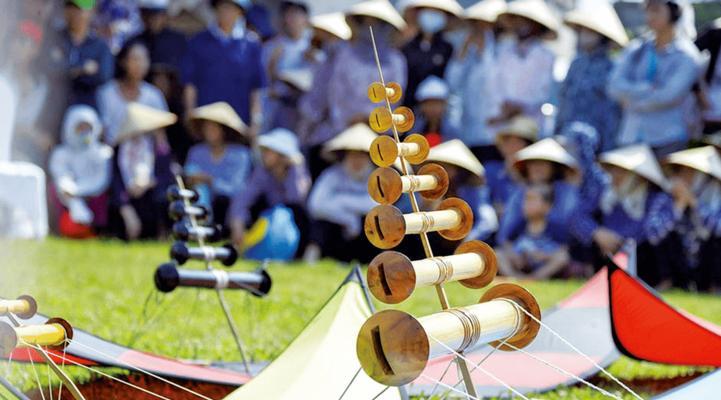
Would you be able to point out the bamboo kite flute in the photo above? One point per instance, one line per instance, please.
(394, 347)
(24, 307)
(168, 277)
(386, 185)
(392, 276)
(385, 151)
(54, 334)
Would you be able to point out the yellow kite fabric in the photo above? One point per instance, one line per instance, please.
(321, 362)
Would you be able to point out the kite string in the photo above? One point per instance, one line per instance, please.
(565, 372)
(449, 387)
(143, 371)
(483, 360)
(37, 377)
(350, 383)
(480, 368)
(577, 350)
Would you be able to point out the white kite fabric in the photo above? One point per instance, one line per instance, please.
(322, 360)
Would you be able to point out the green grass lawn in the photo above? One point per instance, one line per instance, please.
(101, 287)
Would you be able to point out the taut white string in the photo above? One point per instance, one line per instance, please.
(37, 377)
(582, 354)
(485, 371)
(171, 383)
(449, 387)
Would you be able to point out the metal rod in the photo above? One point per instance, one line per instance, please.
(233, 329)
(12, 389)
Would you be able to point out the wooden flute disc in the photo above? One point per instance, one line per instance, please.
(529, 327)
(68, 332)
(441, 176)
(406, 124)
(380, 120)
(385, 185)
(490, 265)
(384, 151)
(385, 227)
(393, 348)
(466, 224)
(422, 143)
(378, 93)
(391, 277)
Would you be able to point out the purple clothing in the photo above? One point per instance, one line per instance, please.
(292, 191)
(353, 69)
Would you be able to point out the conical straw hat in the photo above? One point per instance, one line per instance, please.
(704, 159)
(302, 79)
(450, 6)
(455, 152)
(142, 119)
(638, 159)
(520, 126)
(220, 112)
(380, 9)
(333, 23)
(548, 150)
(600, 17)
(358, 137)
(485, 10)
(535, 10)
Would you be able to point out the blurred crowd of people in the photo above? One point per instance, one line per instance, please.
(271, 127)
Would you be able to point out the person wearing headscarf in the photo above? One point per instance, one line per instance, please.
(523, 80)
(219, 166)
(339, 199)
(710, 40)
(432, 118)
(582, 95)
(634, 206)
(354, 66)
(285, 54)
(280, 179)
(224, 63)
(141, 174)
(502, 178)
(696, 189)
(545, 162)
(428, 52)
(653, 82)
(470, 74)
(81, 170)
(330, 32)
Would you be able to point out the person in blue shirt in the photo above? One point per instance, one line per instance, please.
(501, 178)
(543, 163)
(582, 96)
(653, 82)
(166, 45)
(80, 57)
(536, 253)
(219, 166)
(634, 206)
(696, 189)
(339, 199)
(223, 63)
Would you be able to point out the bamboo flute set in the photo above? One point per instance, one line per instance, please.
(394, 347)
(54, 334)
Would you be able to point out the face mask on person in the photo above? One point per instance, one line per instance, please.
(588, 40)
(431, 21)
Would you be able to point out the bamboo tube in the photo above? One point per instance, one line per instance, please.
(394, 347)
(386, 185)
(177, 193)
(24, 307)
(168, 277)
(385, 151)
(53, 334)
(184, 231)
(392, 277)
(178, 210)
(378, 93)
(181, 253)
(381, 119)
(385, 225)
